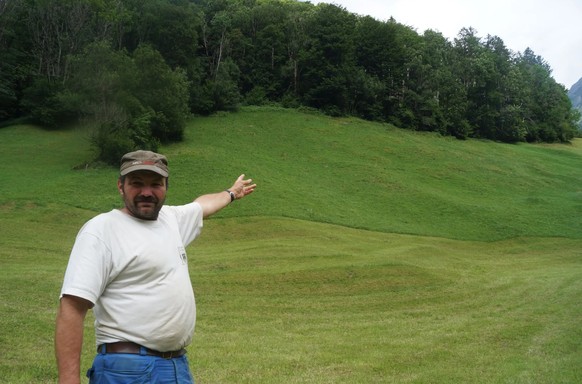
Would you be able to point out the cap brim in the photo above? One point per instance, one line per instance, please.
(144, 167)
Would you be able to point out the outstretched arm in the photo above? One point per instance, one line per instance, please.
(214, 202)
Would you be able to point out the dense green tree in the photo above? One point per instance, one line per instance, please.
(221, 92)
(328, 60)
(504, 96)
(59, 29)
(135, 100)
(17, 66)
(488, 96)
(169, 27)
(410, 88)
(511, 125)
(159, 55)
(378, 56)
(264, 54)
(163, 91)
(295, 41)
(548, 115)
(101, 88)
(470, 66)
(449, 99)
(218, 87)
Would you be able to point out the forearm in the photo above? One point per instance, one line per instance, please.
(69, 340)
(213, 202)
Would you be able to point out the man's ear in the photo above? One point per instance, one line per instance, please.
(120, 186)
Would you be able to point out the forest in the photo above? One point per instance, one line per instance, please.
(137, 69)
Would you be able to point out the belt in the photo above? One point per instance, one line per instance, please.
(133, 348)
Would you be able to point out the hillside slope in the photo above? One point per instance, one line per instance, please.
(575, 94)
(342, 171)
(373, 176)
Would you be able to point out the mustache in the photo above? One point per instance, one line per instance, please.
(145, 199)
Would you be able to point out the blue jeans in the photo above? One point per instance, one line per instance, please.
(123, 368)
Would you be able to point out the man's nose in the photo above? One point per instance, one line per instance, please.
(146, 191)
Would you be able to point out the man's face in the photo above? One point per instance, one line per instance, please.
(143, 193)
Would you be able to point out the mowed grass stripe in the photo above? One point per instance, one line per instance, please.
(356, 306)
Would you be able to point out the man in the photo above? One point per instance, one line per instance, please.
(130, 266)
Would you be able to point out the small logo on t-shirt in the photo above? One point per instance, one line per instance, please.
(183, 256)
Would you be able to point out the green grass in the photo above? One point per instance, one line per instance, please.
(314, 303)
(367, 255)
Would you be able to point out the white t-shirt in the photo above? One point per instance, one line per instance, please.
(136, 273)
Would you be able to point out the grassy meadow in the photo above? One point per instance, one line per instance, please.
(368, 254)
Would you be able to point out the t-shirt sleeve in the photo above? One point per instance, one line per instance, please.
(190, 221)
(88, 268)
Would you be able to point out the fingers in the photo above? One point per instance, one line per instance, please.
(247, 190)
(243, 187)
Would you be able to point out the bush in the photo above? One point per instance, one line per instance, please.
(136, 101)
(256, 96)
(44, 105)
(112, 141)
(289, 100)
(164, 92)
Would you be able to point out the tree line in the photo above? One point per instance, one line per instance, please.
(137, 69)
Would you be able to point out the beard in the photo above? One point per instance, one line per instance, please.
(145, 208)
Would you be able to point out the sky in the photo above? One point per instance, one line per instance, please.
(552, 29)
